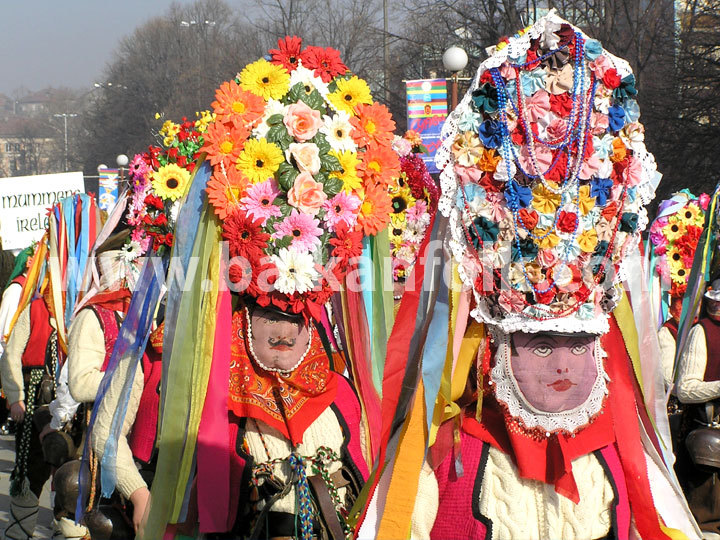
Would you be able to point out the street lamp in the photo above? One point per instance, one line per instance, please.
(65, 116)
(455, 59)
(122, 161)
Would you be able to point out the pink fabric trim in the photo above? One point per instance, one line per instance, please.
(455, 519)
(213, 456)
(349, 407)
(461, 325)
(621, 510)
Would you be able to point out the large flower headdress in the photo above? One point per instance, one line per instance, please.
(545, 178)
(301, 162)
(158, 178)
(414, 201)
(674, 236)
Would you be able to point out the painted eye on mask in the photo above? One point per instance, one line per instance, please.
(542, 351)
(578, 350)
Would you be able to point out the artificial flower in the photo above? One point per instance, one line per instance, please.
(517, 196)
(489, 160)
(347, 243)
(225, 189)
(309, 81)
(169, 181)
(244, 236)
(288, 52)
(401, 146)
(306, 194)
(490, 133)
(532, 81)
(265, 79)
(301, 121)
(467, 149)
(616, 118)
(350, 93)
(542, 162)
(587, 240)
(379, 164)
(469, 121)
(373, 123)
(302, 229)
(485, 98)
(483, 230)
(633, 172)
(259, 199)
(545, 200)
(325, 62)
(586, 202)
(224, 142)
(674, 230)
(626, 89)
(600, 189)
(259, 160)
(348, 173)
(538, 105)
(138, 169)
(233, 104)
(295, 271)
(546, 238)
(337, 129)
(567, 221)
(341, 209)
(375, 209)
(306, 157)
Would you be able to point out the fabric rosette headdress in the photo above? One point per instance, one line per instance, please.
(414, 200)
(301, 161)
(545, 177)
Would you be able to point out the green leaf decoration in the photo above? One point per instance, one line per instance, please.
(286, 175)
(329, 162)
(279, 135)
(332, 186)
(275, 119)
(283, 242)
(321, 142)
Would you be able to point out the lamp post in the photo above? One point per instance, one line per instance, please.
(454, 60)
(65, 116)
(122, 161)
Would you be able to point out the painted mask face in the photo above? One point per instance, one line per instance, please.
(713, 309)
(278, 339)
(554, 372)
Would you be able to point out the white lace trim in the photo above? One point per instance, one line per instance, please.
(508, 392)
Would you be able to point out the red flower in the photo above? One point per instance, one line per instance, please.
(518, 136)
(288, 52)
(326, 63)
(486, 77)
(567, 221)
(528, 218)
(611, 78)
(160, 220)
(245, 236)
(169, 239)
(557, 173)
(610, 211)
(348, 243)
(561, 104)
(153, 201)
(547, 296)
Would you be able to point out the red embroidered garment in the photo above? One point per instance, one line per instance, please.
(305, 393)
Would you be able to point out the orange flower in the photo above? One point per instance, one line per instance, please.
(372, 123)
(225, 189)
(224, 142)
(375, 210)
(236, 105)
(379, 165)
(619, 150)
(489, 160)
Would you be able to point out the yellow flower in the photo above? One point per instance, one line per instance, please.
(546, 240)
(674, 229)
(264, 79)
(587, 240)
(350, 92)
(169, 181)
(402, 199)
(204, 118)
(398, 220)
(692, 215)
(587, 202)
(348, 170)
(544, 200)
(259, 160)
(168, 131)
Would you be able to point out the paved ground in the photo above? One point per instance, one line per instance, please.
(7, 462)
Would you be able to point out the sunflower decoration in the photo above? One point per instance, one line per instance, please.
(414, 199)
(674, 236)
(302, 160)
(159, 179)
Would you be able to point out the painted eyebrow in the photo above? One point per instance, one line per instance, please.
(544, 337)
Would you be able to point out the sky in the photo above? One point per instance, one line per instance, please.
(65, 42)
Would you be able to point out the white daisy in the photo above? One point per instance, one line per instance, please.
(337, 130)
(309, 80)
(296, 271)
(131, 251)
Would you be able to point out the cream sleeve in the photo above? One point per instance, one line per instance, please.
(426, 504)
(11, 362)
(667, 355)
(8, 307)
(128, 476)
(86, 354)
(691, 386)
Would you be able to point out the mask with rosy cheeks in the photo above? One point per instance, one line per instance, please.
(553, 372)
(279, 340)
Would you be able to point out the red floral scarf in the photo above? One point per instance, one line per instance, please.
(305, 393)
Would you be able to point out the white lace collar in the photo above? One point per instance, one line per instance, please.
(509, 394)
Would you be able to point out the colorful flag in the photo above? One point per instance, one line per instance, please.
(427, 108)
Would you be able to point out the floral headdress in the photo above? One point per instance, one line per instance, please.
(414, 200)
(674, 237)
(301, 162)
(158, 180)
(545, 177)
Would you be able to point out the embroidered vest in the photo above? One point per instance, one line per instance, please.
(459, 517)
(712, 341)
(35, 353)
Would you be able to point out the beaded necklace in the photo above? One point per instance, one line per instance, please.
(281, 372)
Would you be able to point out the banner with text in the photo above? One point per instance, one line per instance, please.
(427, 109)
(24, 203)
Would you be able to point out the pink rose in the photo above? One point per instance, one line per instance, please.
(307, 195)
(301, 121)
(307, 157)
